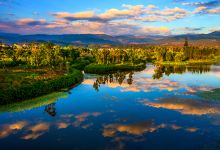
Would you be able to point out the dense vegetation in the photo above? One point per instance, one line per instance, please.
(47, 55)
(104, 68)
(53, 56)
(29, 70)
(37, 86)
(154, 54)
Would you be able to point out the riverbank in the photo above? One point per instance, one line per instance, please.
(190, 62)
(110, 68)
(20, 86)
(32, 103)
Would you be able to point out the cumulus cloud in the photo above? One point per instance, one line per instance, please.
(213, 3)
(214, 29)
(206, 10)
(211, 7)
(30, 21)
(130, 19)
(134, 12)
(214, 11)
(87, 15)
(187, 30)
(78, 27)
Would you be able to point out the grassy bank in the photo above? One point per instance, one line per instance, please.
(109, 68)
(35, 86)
(210, 95)
(32, 103)
(190, 62)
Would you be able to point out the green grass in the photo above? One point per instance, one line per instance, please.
(109, 68)
(9, 78)
(189, 62)
(210, 95)
(32, 103)
(33, 86)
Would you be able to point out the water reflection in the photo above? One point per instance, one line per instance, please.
(127, 82)
(131, 110)
(185, 106)
(82, 117)
(145, 84)
(8, 129)
(137, 85)
(118, 77)
(32, 131)
(123, 134)
(139, 128)
(50, 109)
(33, 103)
(36, 131)
(160, 70)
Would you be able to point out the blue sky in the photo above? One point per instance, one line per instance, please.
(114, 17)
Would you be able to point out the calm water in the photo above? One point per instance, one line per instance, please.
(153, 109)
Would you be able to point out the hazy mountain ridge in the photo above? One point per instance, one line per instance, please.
(66, 39)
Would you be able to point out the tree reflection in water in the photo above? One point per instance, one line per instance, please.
(50, 109)
(160, 70)
(118, 77)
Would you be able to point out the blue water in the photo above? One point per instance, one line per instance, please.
(133, 111)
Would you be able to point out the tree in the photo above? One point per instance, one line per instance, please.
(169, 55)
(186, 42)
(179, 57)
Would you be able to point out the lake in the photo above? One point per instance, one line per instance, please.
(154, 109)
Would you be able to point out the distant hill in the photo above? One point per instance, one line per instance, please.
(85, 39)
(59, 39)
(211, 39)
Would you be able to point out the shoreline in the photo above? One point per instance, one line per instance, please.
(111, 68)
(193, 62)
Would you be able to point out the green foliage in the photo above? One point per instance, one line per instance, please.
(64, 59)
(120, 56)
(169, 55)
(41, 87)
(81, 62)
(53, 56)
(39, 55)
(179, 57)
(102, 68)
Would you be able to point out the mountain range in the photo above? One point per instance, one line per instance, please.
(86, 39)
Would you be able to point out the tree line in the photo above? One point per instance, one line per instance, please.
(41, 54)
(52, 55)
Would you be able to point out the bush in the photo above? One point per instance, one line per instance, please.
(102, 68)
(11, 63)
(81, 62)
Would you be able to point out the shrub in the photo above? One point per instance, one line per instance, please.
(102, 68)
(81, 62)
